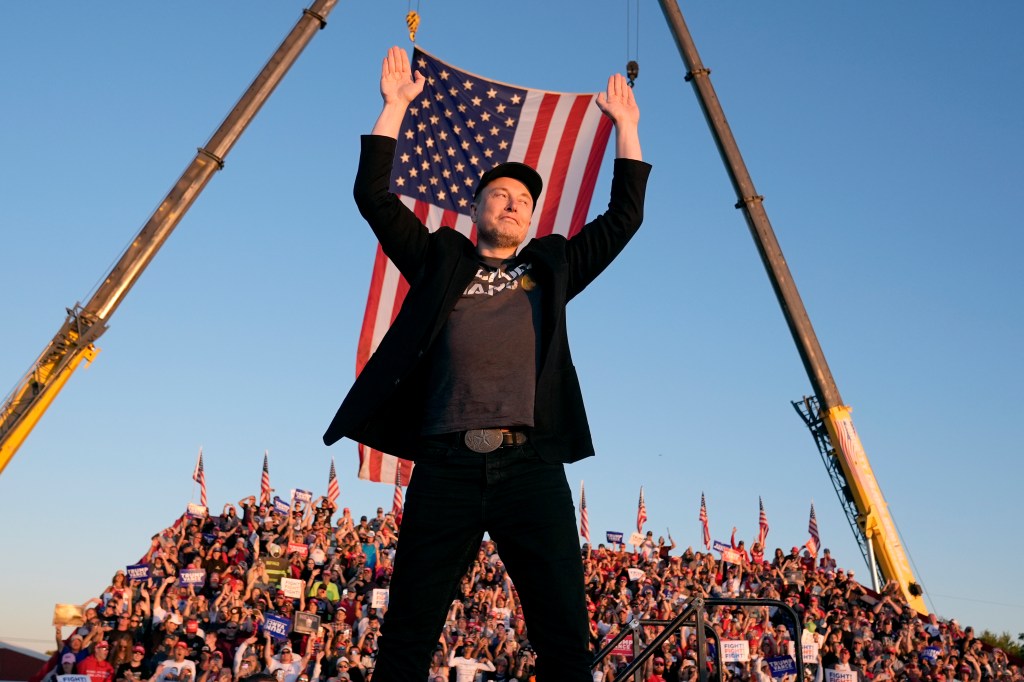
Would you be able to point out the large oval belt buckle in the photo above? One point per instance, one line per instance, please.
(482, 440)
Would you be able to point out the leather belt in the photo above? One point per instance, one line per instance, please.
(484, 440)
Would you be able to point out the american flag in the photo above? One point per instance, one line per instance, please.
(584, 515)
(461, 126)
(812, 528)
(199, 476)
(397, 502)
(332, 487)
(265, 488)
(704, 522)
(762, 524)
(641, 512)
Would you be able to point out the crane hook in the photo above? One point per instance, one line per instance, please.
(412, 20)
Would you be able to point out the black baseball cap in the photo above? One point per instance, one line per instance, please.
(517, 171)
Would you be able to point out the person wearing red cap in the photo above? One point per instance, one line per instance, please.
(136, 665)
(475, 382)
(657, 670)
(96, 666)
(177, 668)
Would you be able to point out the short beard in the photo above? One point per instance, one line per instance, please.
(498, 239)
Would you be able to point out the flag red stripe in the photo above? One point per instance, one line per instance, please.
(375, 464)
(593, 168)
(563, 157)
(540, 129)
(365, 347)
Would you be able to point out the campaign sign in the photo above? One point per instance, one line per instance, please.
(292, 587)
(302, 496)
(735, 650)
(137, 573)
(781, 666)
(931, 654)
(613, 537)
(732, 556)
(298, 548)
(276, 626)
(840, 675)
(623, 648)
(809, 651)
(635, 574)
(196, 577)
(195, 511)
(307, 623)
(720, 546)
(380, 598)
(281, 507)
(637, 539)
(68, 614)
(73, 678)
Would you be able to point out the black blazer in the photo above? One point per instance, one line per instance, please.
(384, 407)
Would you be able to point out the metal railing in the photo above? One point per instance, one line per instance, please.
(693, 615)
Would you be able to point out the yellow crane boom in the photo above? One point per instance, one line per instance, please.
(832, 426)
(75, 342)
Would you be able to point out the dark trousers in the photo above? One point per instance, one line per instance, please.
(525, 505)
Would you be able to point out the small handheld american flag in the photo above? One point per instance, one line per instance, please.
(584, 515)
(762, 524)
(265, 489)
(812, 528)
(704, 522)
(199, 476)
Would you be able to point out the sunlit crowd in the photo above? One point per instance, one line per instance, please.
(300, 593)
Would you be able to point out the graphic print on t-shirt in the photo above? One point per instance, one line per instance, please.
(488, 282)
(483, 365)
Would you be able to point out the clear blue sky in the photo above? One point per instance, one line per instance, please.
(886, 139)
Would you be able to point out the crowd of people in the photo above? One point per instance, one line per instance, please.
(151, 625)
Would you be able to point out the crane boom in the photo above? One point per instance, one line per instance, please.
(851, 474)
(75, 341)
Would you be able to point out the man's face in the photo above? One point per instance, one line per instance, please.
(502, 214)
(101, 652)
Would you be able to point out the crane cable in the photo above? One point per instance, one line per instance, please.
(632, 65)
(412, 20)
(924, 591)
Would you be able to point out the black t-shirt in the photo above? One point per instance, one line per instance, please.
(141, 670)
(483, 365)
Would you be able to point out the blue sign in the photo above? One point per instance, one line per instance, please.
(781, 665)
(281, 507)
(303, 495)
(613, 537)
(719, 546)
(137, 573)
(196, 577)
(276, 626)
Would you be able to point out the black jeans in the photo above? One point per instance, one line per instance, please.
(525, 505)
